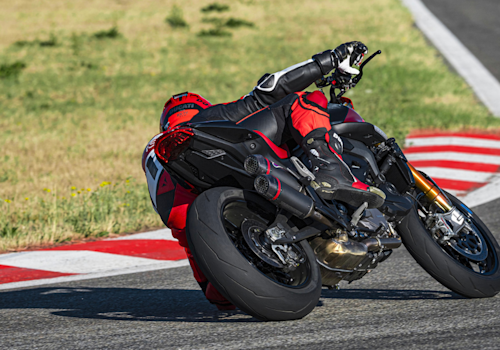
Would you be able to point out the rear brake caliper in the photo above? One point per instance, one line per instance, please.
(288, 254)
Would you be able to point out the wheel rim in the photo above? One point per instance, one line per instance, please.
(249, 215)
(472, 247)
(470, 244)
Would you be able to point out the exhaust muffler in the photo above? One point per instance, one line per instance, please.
(288, 198)
(257, 164)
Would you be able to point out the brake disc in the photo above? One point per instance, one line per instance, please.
(255, 236)
(470, 245)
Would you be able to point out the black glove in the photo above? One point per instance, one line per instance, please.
(347, 55)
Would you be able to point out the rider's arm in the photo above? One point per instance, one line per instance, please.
(296, 78)
(273, 87)
(292, 79)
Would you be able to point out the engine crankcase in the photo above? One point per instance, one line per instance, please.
(337, 257)
(341, 258)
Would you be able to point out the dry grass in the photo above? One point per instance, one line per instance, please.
(82, 111)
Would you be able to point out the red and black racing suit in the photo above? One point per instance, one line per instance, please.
(280, 90)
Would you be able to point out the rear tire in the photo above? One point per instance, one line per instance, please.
(233, 270)
(448, 267)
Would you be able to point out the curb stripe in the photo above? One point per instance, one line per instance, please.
(455, 174)
(151, 249)
(455, 134)
(485, 194)
(470, 151)
(9, 274)
(146, 251)
(458, 162)
(77, 261)
(163, 233)
(457, 141)
(116, 272)
(452, 156)
(456, 193)
(457, 185)
(481, 167)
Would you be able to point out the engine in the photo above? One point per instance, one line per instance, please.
(344, 256)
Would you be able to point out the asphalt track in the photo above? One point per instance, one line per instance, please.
(476, 24)
(398, 306)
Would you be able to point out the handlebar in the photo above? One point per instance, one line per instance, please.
(358, 77)
(342, 81)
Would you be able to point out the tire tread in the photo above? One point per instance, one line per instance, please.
(441, 266)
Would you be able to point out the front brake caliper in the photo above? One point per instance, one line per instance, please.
(446, 225)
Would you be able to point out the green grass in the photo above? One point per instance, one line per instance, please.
(176, 18)
(11, 70)
(111, 33)
(215, 7)
(79, 113)
(52, 41)
(57, 216)
(216, 31)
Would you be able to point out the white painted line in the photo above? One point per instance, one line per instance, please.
(73, 261)
(456, 174)
(158, 234)
(454, 156)
(486, 87)
(455, 140)
(152, 267)
(484, 194)
(456, 193)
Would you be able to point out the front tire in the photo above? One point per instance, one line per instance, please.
(467, 277)
(214, 235)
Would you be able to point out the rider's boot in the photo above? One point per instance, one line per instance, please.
(214, 297)
(334, 179)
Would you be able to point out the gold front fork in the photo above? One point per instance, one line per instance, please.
(430, 190)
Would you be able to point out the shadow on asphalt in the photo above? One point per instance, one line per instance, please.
(388, 294)
(183, 305)
(127, 304)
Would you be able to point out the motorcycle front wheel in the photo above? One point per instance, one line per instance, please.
(467, 264)
(250, 277)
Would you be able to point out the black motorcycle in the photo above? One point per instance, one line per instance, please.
(268, 242)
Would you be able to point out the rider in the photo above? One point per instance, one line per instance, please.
(291, 114)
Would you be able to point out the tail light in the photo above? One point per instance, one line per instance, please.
(170, 145)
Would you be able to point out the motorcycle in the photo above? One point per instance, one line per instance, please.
(268, 242)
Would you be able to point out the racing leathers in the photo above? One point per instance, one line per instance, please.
(303, 117)
(300, 118)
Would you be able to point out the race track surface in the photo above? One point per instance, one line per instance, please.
(398, 306)
(476, 24)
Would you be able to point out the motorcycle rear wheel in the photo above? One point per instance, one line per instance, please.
(267, 293)
(453, 269)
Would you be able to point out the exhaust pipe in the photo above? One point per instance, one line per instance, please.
(288, 198)
(376, 244)
(284, 196)
(257, 164)
(302, 207)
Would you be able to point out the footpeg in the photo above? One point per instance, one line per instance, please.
(302, 169)
(358, 214)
